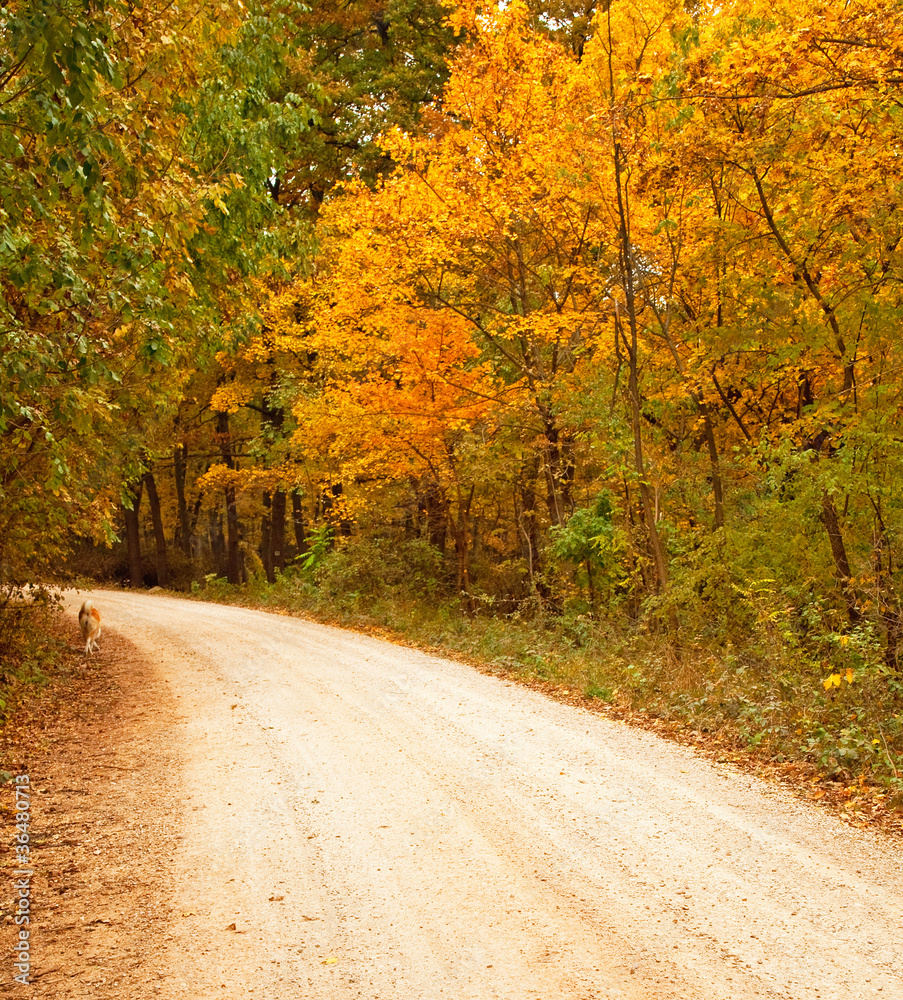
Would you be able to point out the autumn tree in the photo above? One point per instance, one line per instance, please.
(121, 226)
(785, 134)
(668, 222)
(477, 245)
(367, 66)
(329, 80)
(501, 219)
(97, 218)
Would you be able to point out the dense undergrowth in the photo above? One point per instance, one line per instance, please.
(30, 645)
(787, 692)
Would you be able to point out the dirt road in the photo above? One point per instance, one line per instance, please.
(358, 819)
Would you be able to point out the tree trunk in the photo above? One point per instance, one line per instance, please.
(888, 602)
(193, 523)
(272, 533)
(277, 531)
(894, 630)
(525, 509)
(433, 504)
(462, 550)
(183, 539)
(559, 468)
(628, 287)
(133, 537)
(717, 486)
(233, 554)
(218, 546)
(273, 524)
(646, 502)
(298, 523)
(266, 547)
(839, 552)
(153, 499)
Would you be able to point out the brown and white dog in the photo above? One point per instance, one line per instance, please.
(89, 621)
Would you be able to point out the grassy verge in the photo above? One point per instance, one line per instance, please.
(836, 736)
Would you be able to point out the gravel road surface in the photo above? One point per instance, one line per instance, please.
(363, 820)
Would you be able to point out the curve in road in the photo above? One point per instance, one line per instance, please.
(364, 820)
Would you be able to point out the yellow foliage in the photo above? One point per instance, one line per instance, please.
(252, 479)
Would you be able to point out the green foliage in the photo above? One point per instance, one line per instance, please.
(590, 538)
(588, 535)
(121, 245)
(367, 71)
(320, 541)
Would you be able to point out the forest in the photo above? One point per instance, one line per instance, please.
(574, 321)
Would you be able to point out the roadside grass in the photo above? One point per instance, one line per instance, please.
(835, 729)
